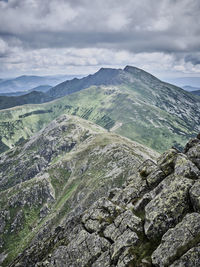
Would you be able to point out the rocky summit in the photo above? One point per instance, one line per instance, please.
(56, 175)
(152, 220)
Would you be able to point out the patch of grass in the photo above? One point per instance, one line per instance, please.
(15, 243)
(59, 177)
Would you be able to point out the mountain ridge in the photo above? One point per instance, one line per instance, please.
(140, 108)
(152, 220)
(60, 170)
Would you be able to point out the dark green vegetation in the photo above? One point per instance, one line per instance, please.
(130, 102)
(61, 170)
(34, 97)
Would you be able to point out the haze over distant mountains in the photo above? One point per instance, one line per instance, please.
(196, 92)
(40, 88)
(25, 82)
(185, 82)
(128, 101)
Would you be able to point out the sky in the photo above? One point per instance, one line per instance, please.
(49, 37)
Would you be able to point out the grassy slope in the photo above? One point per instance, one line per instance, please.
(122, 106)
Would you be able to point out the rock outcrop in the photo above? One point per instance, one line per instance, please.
(57, 174)
(153, 220)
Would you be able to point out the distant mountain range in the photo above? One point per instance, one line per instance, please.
(185, 81)
(25, 82)
(190, 88)
(129, 101)
(41, 88)
(197, 92)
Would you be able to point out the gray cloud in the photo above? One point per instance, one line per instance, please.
(193, 58)
(147, 26)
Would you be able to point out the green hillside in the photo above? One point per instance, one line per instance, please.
(140, 107)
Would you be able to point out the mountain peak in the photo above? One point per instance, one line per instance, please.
(140, 72)
(132, 69)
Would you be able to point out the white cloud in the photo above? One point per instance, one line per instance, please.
(62, 35)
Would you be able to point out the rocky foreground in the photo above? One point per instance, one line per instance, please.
(57, 174)
(154, 220)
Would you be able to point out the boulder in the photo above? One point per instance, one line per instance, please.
(167, 208)
(167, 160)
(178, 240)
(190, 259)
(195, 196)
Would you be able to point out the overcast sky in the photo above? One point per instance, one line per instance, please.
(80, 36)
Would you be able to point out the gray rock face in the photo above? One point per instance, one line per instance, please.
(178, 240)
(83, 252)
(193, 152)
(190, 259)
(100, 215)
(195, 196)
(167, 208)
(184, 167)
(167, 161)
(152, 220)
(54, 177)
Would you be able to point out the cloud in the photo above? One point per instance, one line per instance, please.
(147, 27)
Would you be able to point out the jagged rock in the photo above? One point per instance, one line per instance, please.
(195, 196)
(167, 208)
(191, 143)
(178, 240)
(125, 258)
(142, 202)
(113, 192)
(124, 241)
(126, 220)
(193, 153)
(112, 232)
(155, 177)
(151, 173)
(83, 251)
(167, 160)
(103, 261)
(190, 259)
(184, 167)
(102, 213)
(135, 187)
(127, 195)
